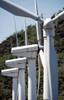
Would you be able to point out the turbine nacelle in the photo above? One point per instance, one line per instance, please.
(48, 24)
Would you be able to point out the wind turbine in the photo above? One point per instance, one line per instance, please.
(50, 58)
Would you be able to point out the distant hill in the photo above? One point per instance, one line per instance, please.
(5, 53)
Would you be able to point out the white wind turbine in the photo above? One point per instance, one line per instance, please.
(50, 59)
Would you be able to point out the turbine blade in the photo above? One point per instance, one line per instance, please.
(38, 26)
(41, 54)
(16, 32)
(17, 10)
(60, 15)
(26, 39)
(39, 41)
(39, 67)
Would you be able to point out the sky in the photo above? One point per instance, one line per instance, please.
(47, 7)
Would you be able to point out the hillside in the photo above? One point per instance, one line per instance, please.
(59, 46)
(5, 53)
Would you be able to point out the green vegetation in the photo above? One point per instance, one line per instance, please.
(5, 53)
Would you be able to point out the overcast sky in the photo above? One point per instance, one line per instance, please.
(47, 7)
